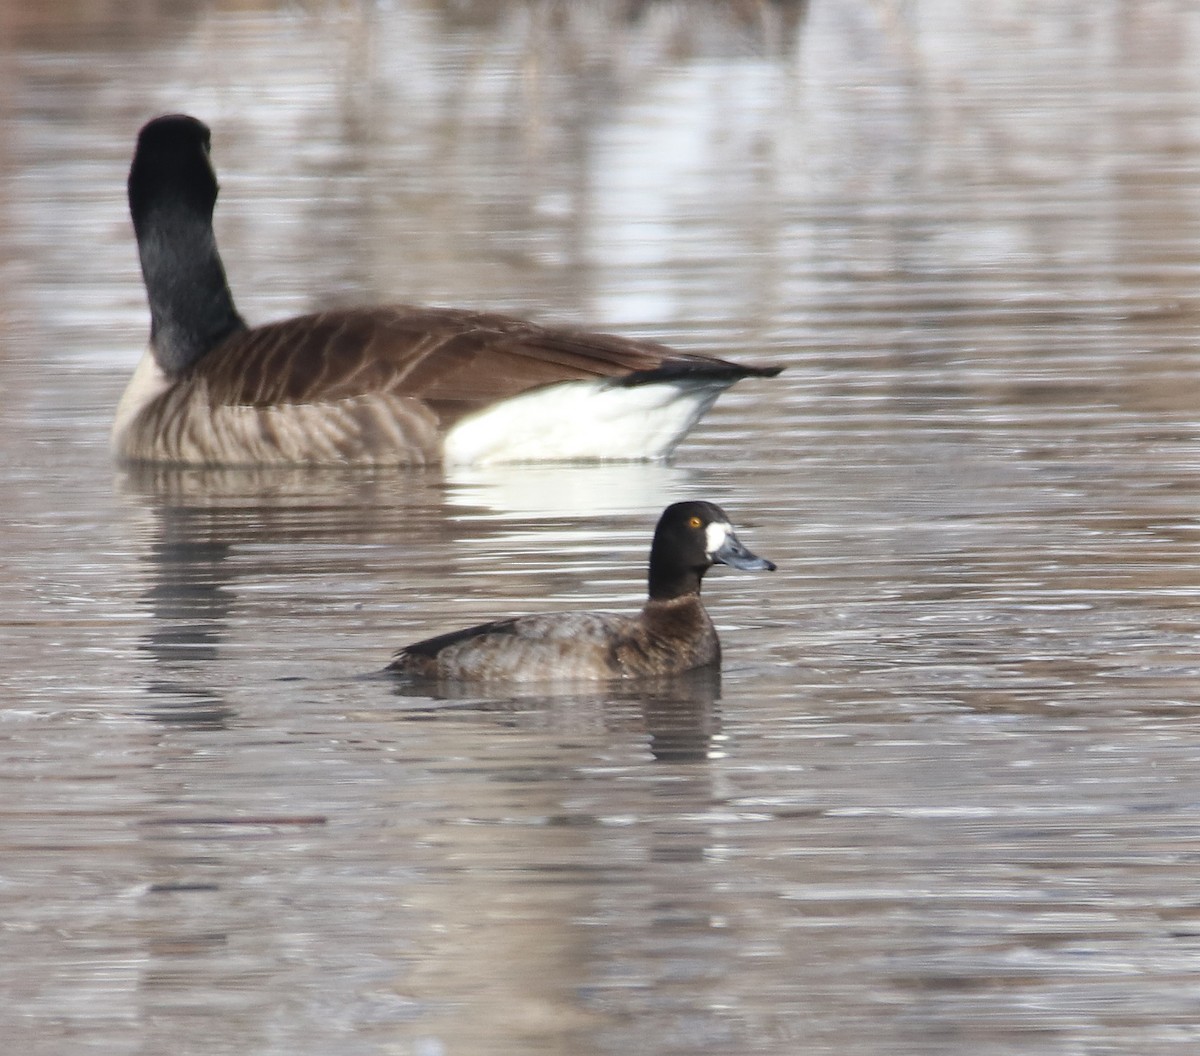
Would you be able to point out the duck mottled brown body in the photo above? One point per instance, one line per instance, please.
(673, 632)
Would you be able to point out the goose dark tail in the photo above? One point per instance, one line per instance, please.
(698, 370)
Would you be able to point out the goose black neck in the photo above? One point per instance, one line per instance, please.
(191, 307)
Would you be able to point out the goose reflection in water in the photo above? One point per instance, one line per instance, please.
(211, 532)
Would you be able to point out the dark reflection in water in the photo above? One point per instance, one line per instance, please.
(189, 608)
(679, 714)
(215, 530)
(683, 718)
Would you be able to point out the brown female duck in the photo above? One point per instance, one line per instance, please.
(672, 633)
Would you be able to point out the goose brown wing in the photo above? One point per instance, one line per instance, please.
(456, 361)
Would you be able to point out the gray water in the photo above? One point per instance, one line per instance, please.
(943, 798)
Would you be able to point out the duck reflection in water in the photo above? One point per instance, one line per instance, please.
(679, 715)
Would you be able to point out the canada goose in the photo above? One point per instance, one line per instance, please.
(388, 385)
(672, 633)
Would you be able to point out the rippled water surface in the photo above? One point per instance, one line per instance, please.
(943, 798)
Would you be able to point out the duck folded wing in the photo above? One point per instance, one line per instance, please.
(540, 647)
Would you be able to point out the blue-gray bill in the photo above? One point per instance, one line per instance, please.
(733, 553)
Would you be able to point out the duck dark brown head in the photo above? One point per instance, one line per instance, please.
(690, 538)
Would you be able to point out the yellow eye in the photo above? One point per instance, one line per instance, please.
(695, 522)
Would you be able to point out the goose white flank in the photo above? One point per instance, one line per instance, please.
(396, 385)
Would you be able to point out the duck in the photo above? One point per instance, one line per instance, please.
(382, 385)
(672, 633)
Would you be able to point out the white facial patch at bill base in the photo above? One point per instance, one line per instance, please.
(715, 535)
